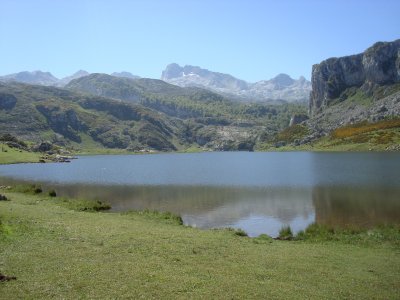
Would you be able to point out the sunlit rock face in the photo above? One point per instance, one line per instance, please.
(378, 65)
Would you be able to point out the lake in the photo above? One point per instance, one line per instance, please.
(258, 192)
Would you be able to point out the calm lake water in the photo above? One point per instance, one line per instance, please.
(258, 192)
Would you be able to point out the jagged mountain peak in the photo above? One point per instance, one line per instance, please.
(283, 79)
(281, 87)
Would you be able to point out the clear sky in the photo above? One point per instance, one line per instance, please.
(250, 39)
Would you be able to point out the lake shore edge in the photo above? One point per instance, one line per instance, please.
(145, 243)
(21, 156)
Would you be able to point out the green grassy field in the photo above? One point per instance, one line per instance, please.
(56, 250)
(11, 155)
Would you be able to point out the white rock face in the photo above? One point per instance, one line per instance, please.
(282, 87)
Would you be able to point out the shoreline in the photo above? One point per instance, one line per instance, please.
(75, 252)
(37, 156)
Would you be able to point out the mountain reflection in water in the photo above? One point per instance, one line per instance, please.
(258, 192)
(256, 210)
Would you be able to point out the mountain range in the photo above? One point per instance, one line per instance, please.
(100, 110)
(47, 79)
(280, 88)
(201, 110)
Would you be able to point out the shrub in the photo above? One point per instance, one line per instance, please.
(85, 205)
(240, 232)
(52, 193)
(37, 190)
(285, 233)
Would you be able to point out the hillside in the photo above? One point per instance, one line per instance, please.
(174, 119)
(48, 79)
(213, 121)
(37, 113)
(371, 72)
(357, 94)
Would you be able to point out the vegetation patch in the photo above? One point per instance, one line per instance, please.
(364, 127)
(159, 215)
(389, 234)
(11, 155)
(27, 188)
(52, 193)
(285, 233)
(292, 133)
(83, 204)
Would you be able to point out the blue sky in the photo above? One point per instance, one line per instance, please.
(252, 40)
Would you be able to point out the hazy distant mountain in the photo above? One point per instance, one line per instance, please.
(125, 74)
(35, 77)
(76, 75)
(195, 76)
(47, 79)
(282, 87)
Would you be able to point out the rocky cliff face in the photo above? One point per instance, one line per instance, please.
(378, 65)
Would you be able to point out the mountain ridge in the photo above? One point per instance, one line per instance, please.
(281, 87)
(47, 79)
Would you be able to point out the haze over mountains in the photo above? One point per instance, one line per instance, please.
(281, 87)
(47, 79)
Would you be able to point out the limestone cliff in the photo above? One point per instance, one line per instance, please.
(378, 65)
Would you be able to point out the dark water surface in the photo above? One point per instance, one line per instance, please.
(258, 192)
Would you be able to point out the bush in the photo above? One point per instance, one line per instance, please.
(237, 231)
(285, 233)
(240, 232)
(162, 215)
(85, 205)
(37, 190)
(52, 193)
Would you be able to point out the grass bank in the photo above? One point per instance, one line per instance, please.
(58, 248)
(12, 155)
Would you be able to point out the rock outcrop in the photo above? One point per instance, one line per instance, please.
(378, 65)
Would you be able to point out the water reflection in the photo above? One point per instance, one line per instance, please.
(255, 210)
(365, 207)
(258, 192)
